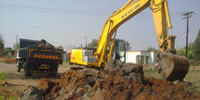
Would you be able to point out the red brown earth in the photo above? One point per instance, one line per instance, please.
(90, 84)
(96, 85)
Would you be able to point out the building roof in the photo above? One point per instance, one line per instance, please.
(138, 51)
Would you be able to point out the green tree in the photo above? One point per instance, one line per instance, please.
(93, 43)
(128, 46)
(181, 51)
(60, 47)
(1, 42)
(196, 47)
(152, 49)
(16, 46)
(6, 51)
(121, 45)
(1, 45)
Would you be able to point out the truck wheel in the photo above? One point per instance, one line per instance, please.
(18, 69)
(28, 69)
(53, 69)
(18, 66)
(70, 63)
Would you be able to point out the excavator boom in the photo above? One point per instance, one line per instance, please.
(130, 9)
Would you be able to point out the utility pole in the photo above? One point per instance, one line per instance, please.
(17, 43)
(85, 41)
(17, 46)
(16, 39)
(187, 16)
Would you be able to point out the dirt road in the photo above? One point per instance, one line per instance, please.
(16, 82)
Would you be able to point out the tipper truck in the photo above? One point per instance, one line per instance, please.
(38, 56)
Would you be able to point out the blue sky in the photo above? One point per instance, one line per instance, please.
(67, 22)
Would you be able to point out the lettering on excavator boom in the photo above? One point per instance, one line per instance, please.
(130, 11)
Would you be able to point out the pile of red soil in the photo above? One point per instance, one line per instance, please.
(90, 84)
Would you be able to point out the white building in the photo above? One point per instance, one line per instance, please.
(140, 57)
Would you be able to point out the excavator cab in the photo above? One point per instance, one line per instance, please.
(120, 49)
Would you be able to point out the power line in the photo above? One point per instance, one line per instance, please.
(65, 11)
(54, 9)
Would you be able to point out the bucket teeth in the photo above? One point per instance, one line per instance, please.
(173, 67)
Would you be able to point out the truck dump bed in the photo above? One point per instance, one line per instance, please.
(39, 50)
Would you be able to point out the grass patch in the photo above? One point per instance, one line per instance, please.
(1, 60)
(192, 76)
(2, 77)
(12, 98)
(65, 62)
(9, 98)
(1, 97)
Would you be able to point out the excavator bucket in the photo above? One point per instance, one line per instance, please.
(173, 67)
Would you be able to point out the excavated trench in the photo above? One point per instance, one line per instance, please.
(125, 82)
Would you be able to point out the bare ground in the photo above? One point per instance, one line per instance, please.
(15, 82)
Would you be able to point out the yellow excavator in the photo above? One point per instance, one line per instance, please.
(171, 66)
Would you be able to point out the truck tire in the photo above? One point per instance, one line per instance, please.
(18, 69)
(19, 65)
(70, 63)
(53, 70)
(28, 69)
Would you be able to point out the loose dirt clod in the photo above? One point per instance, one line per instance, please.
(33, 93)
(46, 85)
(129, 71)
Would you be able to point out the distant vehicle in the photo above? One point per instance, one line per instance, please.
(38, 56)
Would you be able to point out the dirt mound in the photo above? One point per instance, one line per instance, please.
(90, 84)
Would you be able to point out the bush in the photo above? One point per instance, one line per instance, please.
(196, 48)
(2, 77)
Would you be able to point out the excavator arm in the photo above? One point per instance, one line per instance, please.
(130, 9)
(169, 63)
